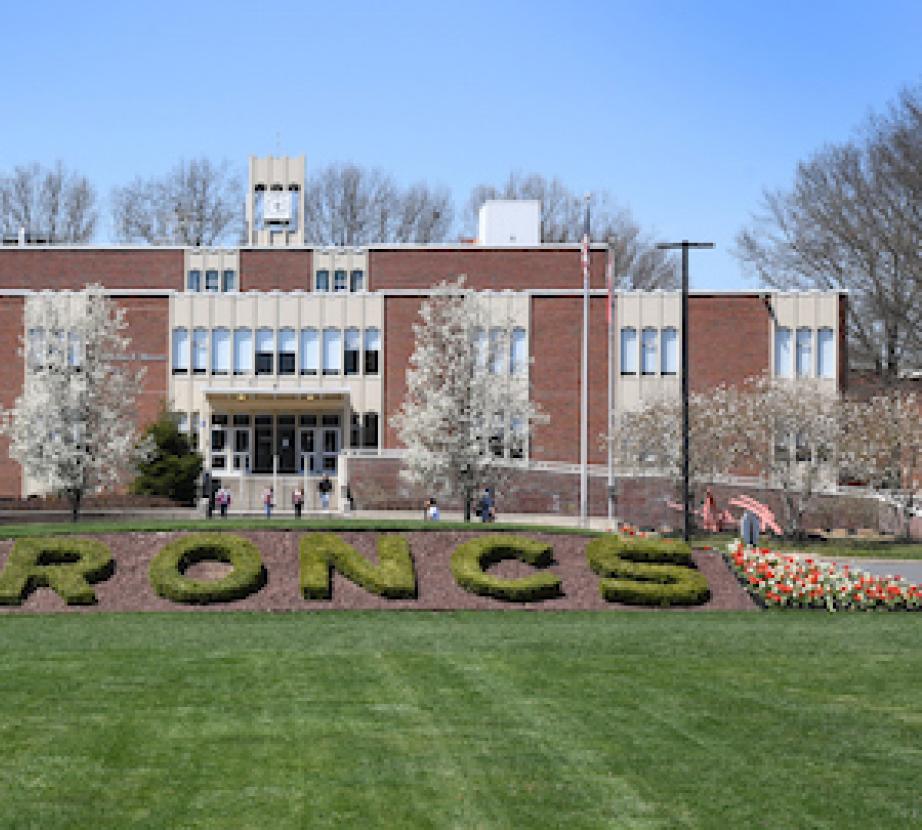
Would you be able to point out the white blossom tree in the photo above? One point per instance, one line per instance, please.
(465, 414)
(881, 446)
(780, 431)
(73, 427)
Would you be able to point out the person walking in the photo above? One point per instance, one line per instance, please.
(224, 500)
(297, 499)
(485, 509)
(433, 513)
(268, 498)
(325, 487)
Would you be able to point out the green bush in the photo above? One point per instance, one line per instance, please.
(169, 565)
(470, 561)
(320, 553)
(66, 565)
(173, 468)
(646, 571)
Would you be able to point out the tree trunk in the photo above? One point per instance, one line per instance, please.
(75, 496)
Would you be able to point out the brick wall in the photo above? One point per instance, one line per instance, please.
(268, 270)
(70, 268)
(494, 268)
(399, 315)
(728, 340)
(11, 374)
(148, 328)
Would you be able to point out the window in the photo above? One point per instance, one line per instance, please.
(479, 342)
(353, 348)
(265, 351)
(517, 437)
(194, 282)
(220, 351)
(322, 282)
(330, 420)
(372, 348)
(629, 351)
(200, 351)
(37, 347)
(358, 281)
(310, 352)
(802, 447)
(497, 440)
(180, 351)
(230, 280)
(804, 348)
(287, 344)
(669, 350)
(355, 433)
(243, 352)
(332, 351)
(782, 352)
(648, 351)
(371, 431)
(74, 350)
(825, 354)
(497, 352)
(211, 281)
(519, 352)
(340, 282)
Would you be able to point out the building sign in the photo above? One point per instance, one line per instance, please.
(277, 206)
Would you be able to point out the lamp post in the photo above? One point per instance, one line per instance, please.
(684, 245)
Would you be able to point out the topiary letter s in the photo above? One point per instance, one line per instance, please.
(67, 566)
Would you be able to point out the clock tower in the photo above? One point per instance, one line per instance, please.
(275, 201)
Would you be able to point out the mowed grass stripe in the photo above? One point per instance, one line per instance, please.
(460, 720)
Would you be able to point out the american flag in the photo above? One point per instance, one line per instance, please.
(585, 254)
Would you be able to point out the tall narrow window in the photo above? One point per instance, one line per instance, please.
(353, 348)
(825, 354)
(340, 281)
(74, 350)
(372, 349)
(37, 347)
(200, 351)
(648, 351)
(243, 352)
(517, 437)
(310, 352)
(370, 430)
(265, 351)
(322, 283)
(358, 280)
(804, 352)
(479, 343)
(287, 344)
(497, 351)
(332, 351)
(211, 281)
(230, 280)
(669, 351)
(518, 352)
(194, 282)
(783, 367)
(180, 351)
(220, 351)
(628, 351)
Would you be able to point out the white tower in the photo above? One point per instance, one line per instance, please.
(275, 201)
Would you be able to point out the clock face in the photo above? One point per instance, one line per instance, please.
(277, 206)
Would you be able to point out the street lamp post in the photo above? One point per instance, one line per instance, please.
(684, 245)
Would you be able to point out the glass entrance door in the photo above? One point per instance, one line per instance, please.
(262, 462)
(309, 456)
(285, 442)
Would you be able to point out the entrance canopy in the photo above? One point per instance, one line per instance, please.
(250, 396)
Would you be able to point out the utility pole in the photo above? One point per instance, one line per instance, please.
(684, 245)
(584, 385)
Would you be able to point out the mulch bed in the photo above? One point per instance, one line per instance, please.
(129, 588)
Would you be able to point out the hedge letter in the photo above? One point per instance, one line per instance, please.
(471, 559)
(67, 566)
(646, 572)
(167, 569)
(393, 578)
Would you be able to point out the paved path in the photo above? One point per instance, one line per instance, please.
(908, 569)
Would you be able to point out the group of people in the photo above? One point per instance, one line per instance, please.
(324, 488)
(486, 507)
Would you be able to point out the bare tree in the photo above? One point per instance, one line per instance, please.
(638, 262)
(347, 204)
(53, 203)
(853, 220)
(196, 203)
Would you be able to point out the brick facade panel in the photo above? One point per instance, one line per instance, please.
(11, 377)
(74, 269)
(728, 340)
(148, 329)
(484, 268)
(268, 270)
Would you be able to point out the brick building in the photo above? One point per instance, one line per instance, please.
(284, 360)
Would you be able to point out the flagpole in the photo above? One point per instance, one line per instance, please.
(609, 284)
(584, 385)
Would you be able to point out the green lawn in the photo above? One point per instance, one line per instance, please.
(509, 719)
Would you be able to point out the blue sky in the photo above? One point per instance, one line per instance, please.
(683, 111)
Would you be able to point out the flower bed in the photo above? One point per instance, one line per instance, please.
(777, 580)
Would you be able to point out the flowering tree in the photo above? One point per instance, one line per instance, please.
(72, 429)
(464, 414)
(881, 446)
(781, 431)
